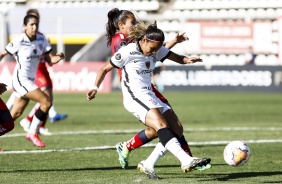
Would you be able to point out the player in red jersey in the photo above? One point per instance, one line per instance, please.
(6, 120)
(119, 26)
(44, 82)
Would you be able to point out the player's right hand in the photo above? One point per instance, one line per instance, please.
(91, 94)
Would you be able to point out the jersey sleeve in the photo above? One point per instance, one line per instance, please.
(47, 46)
(118, 41)
(13, 46)
(120, 58)
(162, 54)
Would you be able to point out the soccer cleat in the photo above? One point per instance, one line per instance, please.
(148, 171)
(58, 117)
(198, 162)
(44, 131)
(123, 153)
(25, 124)
(35, 139)
(203, 168)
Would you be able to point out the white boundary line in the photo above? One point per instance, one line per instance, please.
(147, 145)
(138, 130)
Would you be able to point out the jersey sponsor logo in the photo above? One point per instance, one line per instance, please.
(118, 56)
(143, 72)
(147, 64)
(135, 53)
(122, 44)
(136, 61)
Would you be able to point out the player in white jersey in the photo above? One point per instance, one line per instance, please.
(27, 49)
(137, 61)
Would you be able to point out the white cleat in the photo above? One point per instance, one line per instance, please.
(148, 171)
(44, 131)
(25, 124)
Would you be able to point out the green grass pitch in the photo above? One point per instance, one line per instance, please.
(206, 117)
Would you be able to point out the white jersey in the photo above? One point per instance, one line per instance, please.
(27, 54)
(136, 69)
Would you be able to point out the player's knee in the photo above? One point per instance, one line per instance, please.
(151, 133)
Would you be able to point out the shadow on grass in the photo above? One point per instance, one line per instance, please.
(231, 176)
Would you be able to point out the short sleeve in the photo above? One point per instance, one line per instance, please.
(118, 41)
(47, 46)
(119, 59)
(13, 46)
(162, 53)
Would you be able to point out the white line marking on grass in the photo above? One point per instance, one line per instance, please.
(138, 130)
(147, 145)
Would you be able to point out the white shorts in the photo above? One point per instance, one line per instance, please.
(141, 105)
(23, 85)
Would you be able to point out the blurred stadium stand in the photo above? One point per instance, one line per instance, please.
(83, 25)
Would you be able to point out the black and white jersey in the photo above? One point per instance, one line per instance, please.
(136, 69)
(27, 53)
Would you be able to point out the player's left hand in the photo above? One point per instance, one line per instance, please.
(91, 94)
(181, 37)
(3, 88)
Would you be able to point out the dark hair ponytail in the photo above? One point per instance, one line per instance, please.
(153, 33)
(114, 17)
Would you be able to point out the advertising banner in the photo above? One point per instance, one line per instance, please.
(223, 78)
(66, 77)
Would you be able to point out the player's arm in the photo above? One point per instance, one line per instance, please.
(53, 59)
(183, 59)
(3, 54)
(178, 39)
(99, 79)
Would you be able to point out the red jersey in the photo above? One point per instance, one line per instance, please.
(119, 40)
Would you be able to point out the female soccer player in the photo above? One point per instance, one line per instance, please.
(137, 61)
(6, 120)
(27, 49)
(120, 25)
(44, 82)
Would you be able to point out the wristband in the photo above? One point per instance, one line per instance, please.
(96, 88)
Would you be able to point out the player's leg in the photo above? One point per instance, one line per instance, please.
(155, 120)
(11, 100)
(45, 103)
(6, 120)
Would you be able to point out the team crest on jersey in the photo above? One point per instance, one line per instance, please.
(122, 44)
(118, 56)
(11, 44)
(34, 51)
(40, 46)
(147, 64)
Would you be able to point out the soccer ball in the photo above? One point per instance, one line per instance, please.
(236, 153)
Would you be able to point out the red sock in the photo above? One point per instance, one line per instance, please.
(32, 112)
(137, 141)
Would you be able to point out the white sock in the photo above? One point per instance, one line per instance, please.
(52, 111)
(157, 153)
(34, 126)
(11, 100)
(174, 147)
